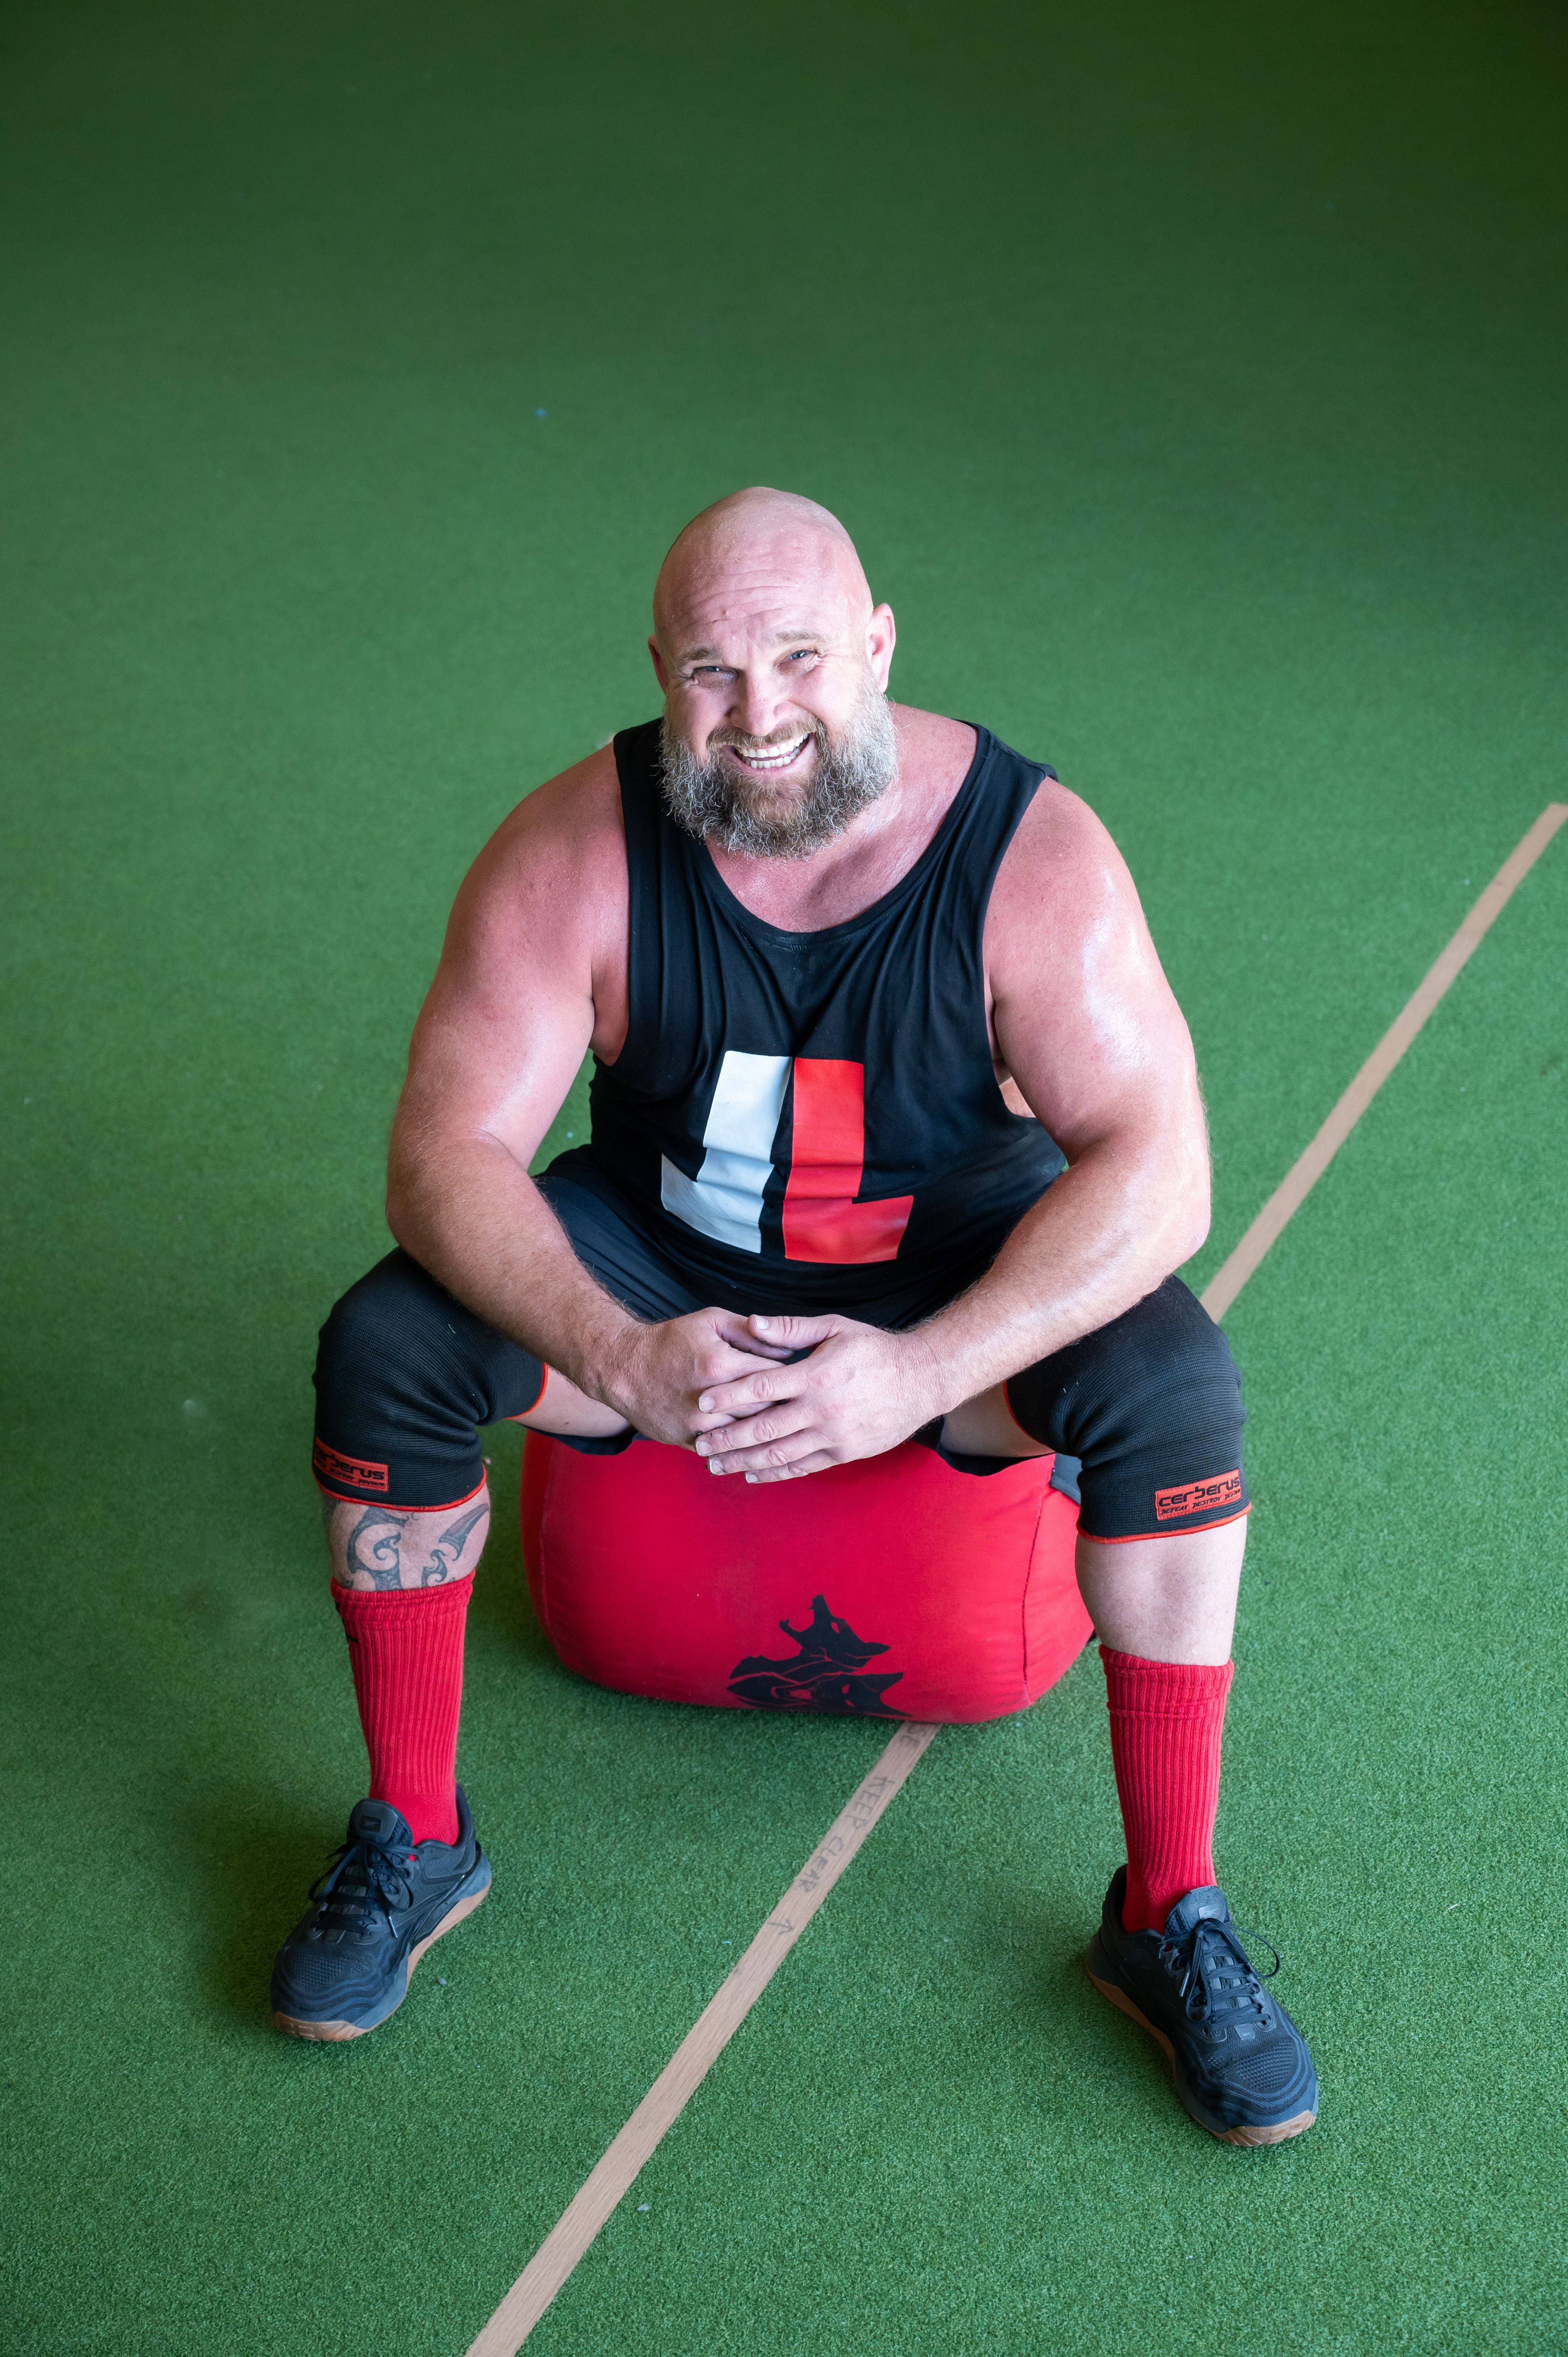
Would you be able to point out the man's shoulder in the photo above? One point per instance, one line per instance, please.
(588, 791)
(1061, 853)
(555, 867)
(568, 816)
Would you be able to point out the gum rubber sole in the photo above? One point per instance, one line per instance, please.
(1279, 2134)
(335, 2032)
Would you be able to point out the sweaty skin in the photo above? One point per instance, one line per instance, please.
(763, 621)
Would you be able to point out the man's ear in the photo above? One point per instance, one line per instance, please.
(660, 673)
(881, 638)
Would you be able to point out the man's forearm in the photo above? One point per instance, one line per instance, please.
(1101, 1238)
(478, 1222)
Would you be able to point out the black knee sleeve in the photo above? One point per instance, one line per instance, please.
(405, 1376)
(1152, 1405)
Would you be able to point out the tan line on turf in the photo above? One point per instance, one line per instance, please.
(1303, 1175)
(613, 2178)
(609, 2182)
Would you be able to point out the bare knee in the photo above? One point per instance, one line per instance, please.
(1165, 1599)
(381, 1547)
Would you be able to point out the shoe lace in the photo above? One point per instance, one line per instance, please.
(1216, 1977)
(361, 1876)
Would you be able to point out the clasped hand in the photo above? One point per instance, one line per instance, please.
(733, 1388)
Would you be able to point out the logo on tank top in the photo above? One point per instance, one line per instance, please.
(823, 1219)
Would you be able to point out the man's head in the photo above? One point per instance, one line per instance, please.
(774, 665)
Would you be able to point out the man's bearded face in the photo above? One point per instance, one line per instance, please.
(852, 767)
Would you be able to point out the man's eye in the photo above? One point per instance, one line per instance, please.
(801, 654)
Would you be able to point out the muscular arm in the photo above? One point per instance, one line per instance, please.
(510, 1013)
(1085, 1024)
(533, 973)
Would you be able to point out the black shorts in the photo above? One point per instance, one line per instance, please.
(1145, 1414)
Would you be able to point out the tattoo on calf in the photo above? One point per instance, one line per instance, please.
(379, 1562)
(447, 1553)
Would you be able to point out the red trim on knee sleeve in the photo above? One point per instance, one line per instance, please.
(338, 1500)
(533, 1407)
(1137, 1538)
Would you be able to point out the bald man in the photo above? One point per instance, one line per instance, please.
(789, 911)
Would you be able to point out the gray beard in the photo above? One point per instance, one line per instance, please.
(708, 799)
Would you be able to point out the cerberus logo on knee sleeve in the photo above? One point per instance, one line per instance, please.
(1199, 1496)
(353, 1472)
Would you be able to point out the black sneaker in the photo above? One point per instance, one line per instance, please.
(1240, 2065)
(375, 1911)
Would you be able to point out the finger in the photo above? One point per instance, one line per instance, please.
(736, 1332)
(755, 1432)
(794, 1333)
(738, 1386)
(743, 1395)
(706, 1423)
(796, 1472)
(766, 1457)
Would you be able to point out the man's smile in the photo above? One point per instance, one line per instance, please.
(768, 761)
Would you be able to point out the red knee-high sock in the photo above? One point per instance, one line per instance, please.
(1165, 1723)
(406, 1648)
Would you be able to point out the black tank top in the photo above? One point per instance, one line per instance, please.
(822, 1103)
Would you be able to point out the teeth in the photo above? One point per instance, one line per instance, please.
(778, 758)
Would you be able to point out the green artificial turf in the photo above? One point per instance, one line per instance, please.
(1192, 383)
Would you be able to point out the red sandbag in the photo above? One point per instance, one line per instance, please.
(895, 1587)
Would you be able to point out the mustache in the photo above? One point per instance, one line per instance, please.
(741, 743)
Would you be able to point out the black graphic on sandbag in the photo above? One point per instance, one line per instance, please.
(829, 1671)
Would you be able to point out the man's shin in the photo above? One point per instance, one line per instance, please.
(401, 1583)
(1167, 1721)
(1165, 1611)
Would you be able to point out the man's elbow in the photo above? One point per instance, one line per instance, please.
(400, 1207)
(1178, 1177)
(436, 1178)
(406, 1188)
(1191, 1235)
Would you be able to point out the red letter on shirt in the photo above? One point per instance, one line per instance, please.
(822, 1218)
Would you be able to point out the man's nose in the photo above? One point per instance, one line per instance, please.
(756, 705)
